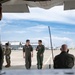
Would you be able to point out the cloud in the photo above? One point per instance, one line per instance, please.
(57, 41)
(69, 32)
(37, 28)
(61, 38)
(55, 14)
(2, 24)
(45, 40)
(34, 34)
(18, 32)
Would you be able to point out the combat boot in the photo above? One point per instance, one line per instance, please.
(8, 65)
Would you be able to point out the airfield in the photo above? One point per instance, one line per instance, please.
(18, 64)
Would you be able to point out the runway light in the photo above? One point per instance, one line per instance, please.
(0, 11)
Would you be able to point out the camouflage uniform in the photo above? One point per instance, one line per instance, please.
(1, 57)
(3, 50)
(7, 56)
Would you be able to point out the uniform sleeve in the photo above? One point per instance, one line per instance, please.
(23, 49)
(31, 48)
(55, 61)
(1, 54)
(71, 61)
(37, 48)
(9, 52)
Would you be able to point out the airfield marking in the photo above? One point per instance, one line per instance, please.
(47, 60)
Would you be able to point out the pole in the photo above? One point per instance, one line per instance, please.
(0, 19)
(50, 43)
(0, 11)
(0, 34)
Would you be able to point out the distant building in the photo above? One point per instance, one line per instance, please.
(34, 45)
(16, 45)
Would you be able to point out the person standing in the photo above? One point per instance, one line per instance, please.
(64, 60)
(40, 52)
(7, 55)
(27, 54)
(3, 50)
(1, 58)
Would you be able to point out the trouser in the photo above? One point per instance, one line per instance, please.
(39, 61)
(8, 59)
(1, 64)
(28, 62)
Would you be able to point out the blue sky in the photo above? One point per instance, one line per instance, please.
(34, 26)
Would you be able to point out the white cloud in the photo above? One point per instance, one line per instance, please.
(37, 28)
(3, 23)
(57, 41)
(54, 14)
(45, 40)
(69, 32)
(9, 32)
(61, 38)
(20, 32)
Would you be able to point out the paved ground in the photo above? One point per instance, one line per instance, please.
(18, 68)
(18, 62)
(40, 72)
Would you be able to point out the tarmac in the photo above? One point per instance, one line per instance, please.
(18, 64)
(40, 72)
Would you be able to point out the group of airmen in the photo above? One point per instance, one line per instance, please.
(28, 53)
(64, 60)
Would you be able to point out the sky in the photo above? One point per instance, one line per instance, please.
(34, 26)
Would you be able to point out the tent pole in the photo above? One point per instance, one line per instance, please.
(51, 45)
